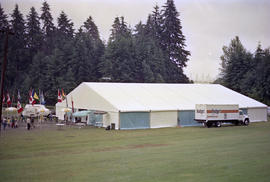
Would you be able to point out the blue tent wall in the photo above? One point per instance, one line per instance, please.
(95, 119)
(186, 118)
(134, 120)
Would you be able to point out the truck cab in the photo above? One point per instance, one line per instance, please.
(243, 118)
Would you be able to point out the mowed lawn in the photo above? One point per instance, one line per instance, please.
(229, 153)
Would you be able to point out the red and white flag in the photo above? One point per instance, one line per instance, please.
(30, 97)
(19, 107)
(59, 96)
(8, 100)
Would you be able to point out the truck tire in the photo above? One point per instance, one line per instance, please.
(209, 124)
(236, 123)
(204, 124)
(218, 124)
(246, 122)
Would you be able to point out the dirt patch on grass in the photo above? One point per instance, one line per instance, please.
(147, 145)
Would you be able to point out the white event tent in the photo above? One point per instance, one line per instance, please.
(151, 105)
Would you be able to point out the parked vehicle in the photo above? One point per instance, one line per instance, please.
(35, 110)
(215, 115)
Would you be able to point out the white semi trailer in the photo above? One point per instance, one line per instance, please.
(215, 115)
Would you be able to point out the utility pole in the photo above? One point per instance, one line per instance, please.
(4, 65)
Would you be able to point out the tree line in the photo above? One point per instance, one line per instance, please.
(46, 56)
(246, 72)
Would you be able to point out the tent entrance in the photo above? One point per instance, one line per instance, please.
(186, 118)
(134, 120)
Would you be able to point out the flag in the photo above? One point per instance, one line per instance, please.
(19, 107)
(8, 100)
(36, 96)
(19, 95)
(32, 96)
(63, 94)
(59, 96)
(31, 99)
(42, 100)
(72, 104)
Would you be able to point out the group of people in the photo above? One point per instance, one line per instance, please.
(10, 122)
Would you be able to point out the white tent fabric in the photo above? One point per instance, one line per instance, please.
(115, 98)
(158, 97)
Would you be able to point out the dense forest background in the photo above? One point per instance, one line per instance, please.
(246, 72)
(44, 56)
(49, 57)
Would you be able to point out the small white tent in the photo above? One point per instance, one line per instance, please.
(144, 105)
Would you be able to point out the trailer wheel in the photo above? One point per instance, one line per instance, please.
(246, 122)
(218, 124)
(209, 124)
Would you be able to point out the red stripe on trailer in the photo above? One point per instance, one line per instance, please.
(222, 111)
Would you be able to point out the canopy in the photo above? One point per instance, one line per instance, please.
(11, 109)
(81, 113)
(66, 109)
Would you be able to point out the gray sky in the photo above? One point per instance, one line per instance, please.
(207, 24)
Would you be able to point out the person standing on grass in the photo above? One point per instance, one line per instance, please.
(12, 122)
(16, 123)
(8, 122)
(28, 122)
(4, 121)
(32, 119)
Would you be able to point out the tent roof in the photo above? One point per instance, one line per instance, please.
(146, 96)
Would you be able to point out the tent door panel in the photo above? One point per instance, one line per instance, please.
(186, 118)
(134, 120)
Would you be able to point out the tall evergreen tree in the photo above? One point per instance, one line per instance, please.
(3, 25)
(3, 19)
(65, 27)
(149, 64)
(48, 27)
(34, 35)
(17, 58)
(91, 29)
(156, 20)
(235, 63)
(173, 42)
(119, 54)
(87, 52)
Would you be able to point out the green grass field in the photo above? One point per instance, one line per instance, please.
(234, 153)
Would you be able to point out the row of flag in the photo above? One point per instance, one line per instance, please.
(33, 99)
(9, 102)
(62, 96)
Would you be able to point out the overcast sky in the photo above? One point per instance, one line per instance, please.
(208, 25)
